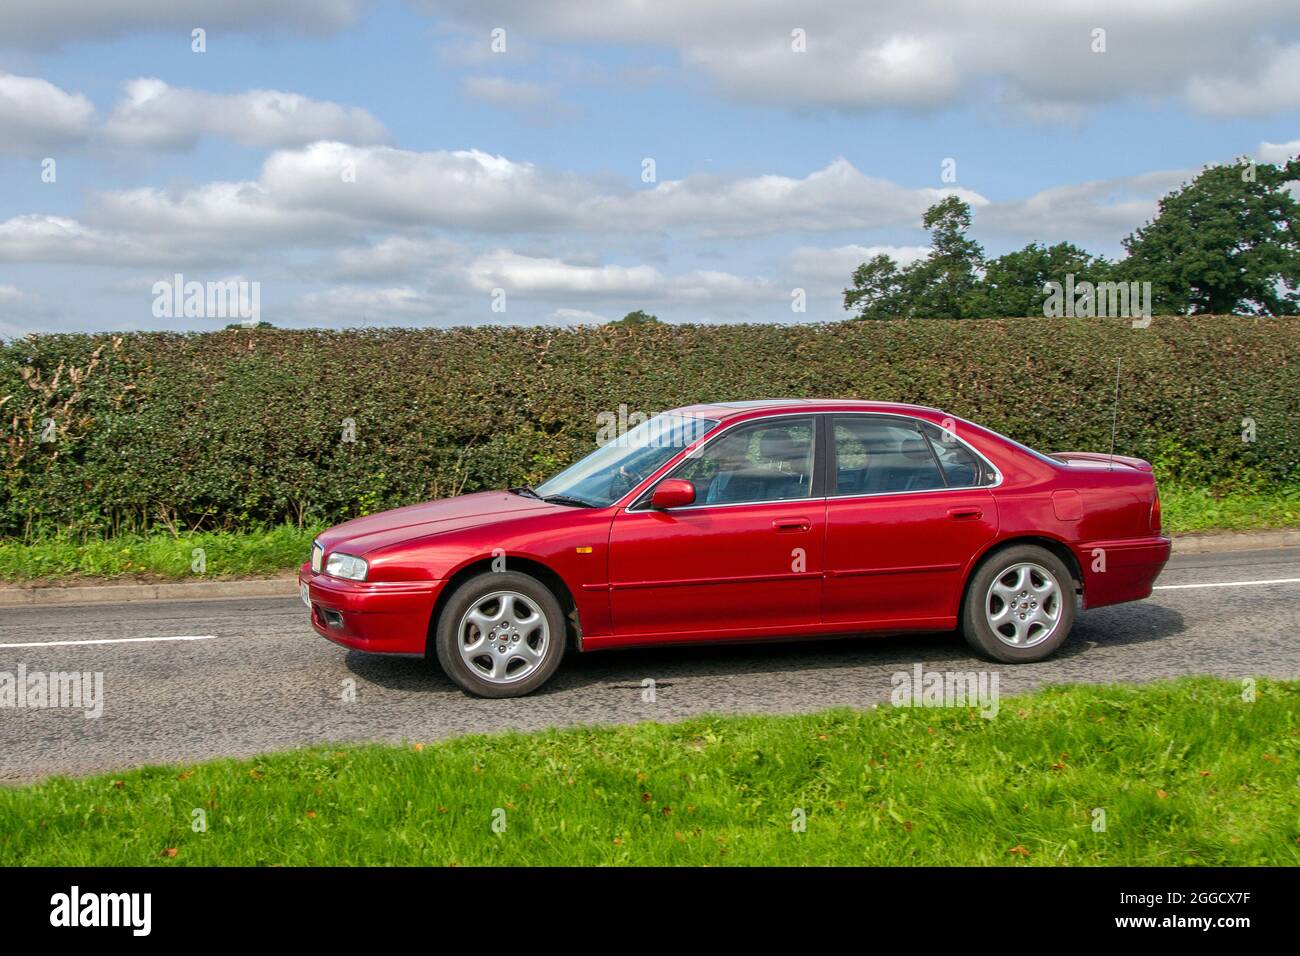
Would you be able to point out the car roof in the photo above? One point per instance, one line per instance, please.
(728, 410)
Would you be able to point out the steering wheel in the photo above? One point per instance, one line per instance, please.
(624, 480)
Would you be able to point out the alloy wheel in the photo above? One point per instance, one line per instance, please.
(1023, 605)
(503, 637)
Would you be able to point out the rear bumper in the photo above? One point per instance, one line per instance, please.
(383, 617)
(1120, 570)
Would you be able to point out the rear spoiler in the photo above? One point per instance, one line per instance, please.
(1137, 464)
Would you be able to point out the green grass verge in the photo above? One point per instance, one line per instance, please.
(1186, 509)
(281, 549)
(245, 554)
(1187, 773)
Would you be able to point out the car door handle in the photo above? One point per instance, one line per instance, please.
(791, 524)
(965, 514)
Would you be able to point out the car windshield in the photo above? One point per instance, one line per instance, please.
(618, 466)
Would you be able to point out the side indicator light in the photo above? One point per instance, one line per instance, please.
(586, 550)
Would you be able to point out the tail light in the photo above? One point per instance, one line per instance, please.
(1155, 511)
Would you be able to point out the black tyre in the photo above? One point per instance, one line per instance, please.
(1019, 605)
(501, 634)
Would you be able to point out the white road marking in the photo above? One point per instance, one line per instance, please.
(213, 637)
(117, 640)
(1224, 584)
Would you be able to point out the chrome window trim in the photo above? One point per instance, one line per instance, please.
(994, 469)
(641, 498)
(737, 504)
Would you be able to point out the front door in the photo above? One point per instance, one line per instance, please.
(746, 557)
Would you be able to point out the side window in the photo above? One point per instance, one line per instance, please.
(765, 461)
(877, 456)
(960, 466)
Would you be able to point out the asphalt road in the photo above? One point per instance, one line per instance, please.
(261, 680)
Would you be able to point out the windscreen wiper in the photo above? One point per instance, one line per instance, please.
(568, 500)
(525, 491)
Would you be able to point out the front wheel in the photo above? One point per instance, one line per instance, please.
(500, 635)
(1019, 605)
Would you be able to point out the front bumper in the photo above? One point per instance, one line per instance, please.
(379, 617)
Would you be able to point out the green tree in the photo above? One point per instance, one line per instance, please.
(1228, 241)
(940, 284)
(1012, 284)
(934, 288)
(636, 319)
(878, 290)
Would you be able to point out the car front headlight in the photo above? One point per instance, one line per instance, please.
(317, 557)
(346, 566)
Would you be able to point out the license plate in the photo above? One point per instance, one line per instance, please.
(306, 594)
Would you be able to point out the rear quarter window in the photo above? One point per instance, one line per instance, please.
(961, 467)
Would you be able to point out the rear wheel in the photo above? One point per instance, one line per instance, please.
(500, 635)
(1019, 605)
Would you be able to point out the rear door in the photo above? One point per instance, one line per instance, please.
(746, 557)
(907, 507)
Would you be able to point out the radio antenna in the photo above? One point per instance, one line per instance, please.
(1114, 414)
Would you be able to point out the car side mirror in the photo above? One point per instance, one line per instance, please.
(672, 493)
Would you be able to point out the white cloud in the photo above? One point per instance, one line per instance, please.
(541, 277)
(836, 197)
(472, 190)
(36, 116)
(331, 192)
(568, 316)
(1272, 86)
(1104, 209)
(24, 306)
(154, 115)
(538, 276)
(462, 189)
(395, 257)
(836, 265)
(475, 49)
(365, 306)
(929, 54)
(499, 91)
(52, 23)
(533, 103)
(371, 198)
(722, 288)
(304, 194)
(216, 216)
(38, 238)
(840, 69)
(1279, 152)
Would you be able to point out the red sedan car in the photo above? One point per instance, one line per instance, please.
(746, 521)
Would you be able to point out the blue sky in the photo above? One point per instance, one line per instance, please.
(516, 176)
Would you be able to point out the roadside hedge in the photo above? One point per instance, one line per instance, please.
(246, 427)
